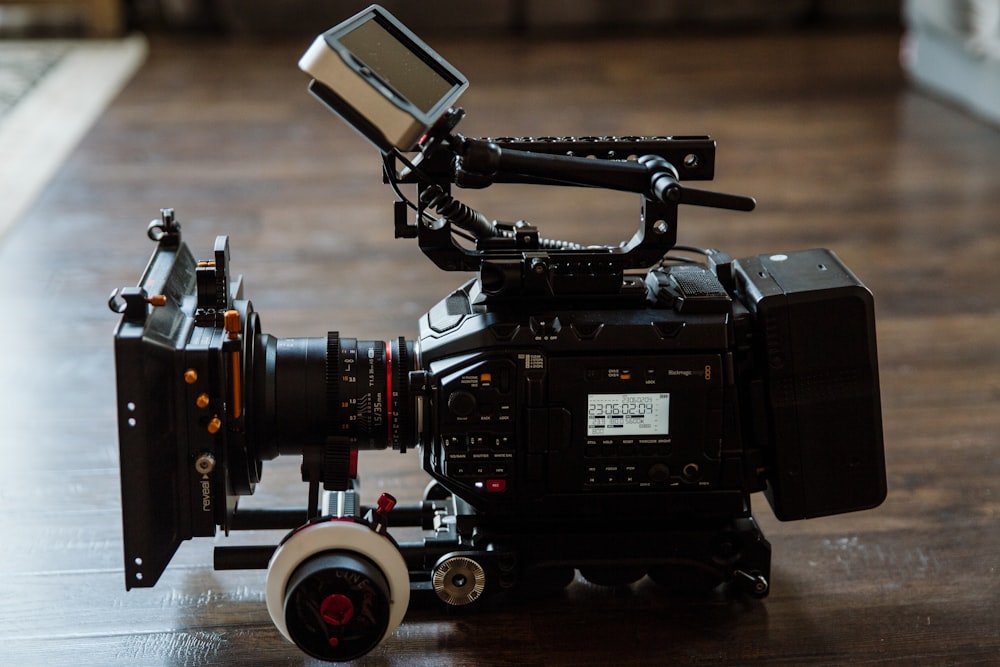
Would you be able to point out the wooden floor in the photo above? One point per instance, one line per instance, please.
(821, 129)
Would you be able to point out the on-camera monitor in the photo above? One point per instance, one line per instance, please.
(382, 79)
(392, 61)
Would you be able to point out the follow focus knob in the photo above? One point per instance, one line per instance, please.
(337, 606)
(337, 588)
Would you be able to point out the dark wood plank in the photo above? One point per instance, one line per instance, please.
(820, 128)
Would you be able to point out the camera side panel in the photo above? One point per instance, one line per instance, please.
(533, 411)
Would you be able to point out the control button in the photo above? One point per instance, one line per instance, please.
(668, 329)
(545, 327)
(504, 383)
(496, 485)
(587, 330)
(454, 443)
(659, 472)
(461, 403)
(610, 475)
(504, 331)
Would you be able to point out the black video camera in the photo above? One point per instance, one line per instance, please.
(575, 409)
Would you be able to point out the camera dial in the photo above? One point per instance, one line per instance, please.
(337, 588)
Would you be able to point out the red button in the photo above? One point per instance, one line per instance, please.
(337, 610)
(496, 485)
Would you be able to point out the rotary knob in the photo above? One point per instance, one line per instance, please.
(337, 588)
(354, 602)
(458, 580)
(659, 473)
(462, 403)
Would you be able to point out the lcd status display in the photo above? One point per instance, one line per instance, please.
(633, 414)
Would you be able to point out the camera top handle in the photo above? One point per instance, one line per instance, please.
(481, 162)
(400, 95)
(514, 261)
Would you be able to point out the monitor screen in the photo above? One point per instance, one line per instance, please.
(398, 66)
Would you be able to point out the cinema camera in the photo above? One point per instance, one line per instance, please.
(573, 408)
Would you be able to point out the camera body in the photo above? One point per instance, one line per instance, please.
(682, 398)
(573, 408)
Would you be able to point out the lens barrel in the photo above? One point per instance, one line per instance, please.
(306, 390)
(367, 390)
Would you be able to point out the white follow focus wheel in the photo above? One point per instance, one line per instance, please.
(343, 537)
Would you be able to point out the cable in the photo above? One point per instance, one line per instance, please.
(668, 259)
(455, 212)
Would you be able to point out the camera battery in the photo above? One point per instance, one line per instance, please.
(818, 382)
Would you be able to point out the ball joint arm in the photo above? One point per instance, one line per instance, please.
(480, 163)
(664, 186)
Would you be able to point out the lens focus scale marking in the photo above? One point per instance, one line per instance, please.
(389, 395)
(400, 396)
(332, 380)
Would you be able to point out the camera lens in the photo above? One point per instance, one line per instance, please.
(306, 390)
(365, 388)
